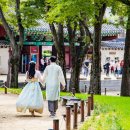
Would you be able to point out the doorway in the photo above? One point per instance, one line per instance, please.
(25, 63)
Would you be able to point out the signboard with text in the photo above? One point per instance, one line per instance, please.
(112, 53)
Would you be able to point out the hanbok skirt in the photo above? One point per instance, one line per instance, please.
(30, 98)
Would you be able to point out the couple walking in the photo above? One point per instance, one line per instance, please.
(31, 96)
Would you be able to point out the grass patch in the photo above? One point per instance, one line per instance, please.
(12, 90)
(110, 113)
(18, 91)
(78, 95)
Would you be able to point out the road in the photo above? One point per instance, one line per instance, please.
(112, 85)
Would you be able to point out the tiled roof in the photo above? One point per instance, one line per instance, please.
(44, 27)
(107, 29)
(114, 45)
(4, 43)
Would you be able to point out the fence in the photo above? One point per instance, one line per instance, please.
(89, 107)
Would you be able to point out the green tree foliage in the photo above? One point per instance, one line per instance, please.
(29, 10)
(15, 15)
(72, 14)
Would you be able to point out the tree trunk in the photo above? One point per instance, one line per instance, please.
(75, 74)
(58, 37)
(16, 48)
(61, 58)
(14, 71)
(74, 79)
(125, 85)
(95, 85)
(77, 54)
(75, 68)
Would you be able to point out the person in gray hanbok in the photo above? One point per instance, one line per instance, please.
(52, 77)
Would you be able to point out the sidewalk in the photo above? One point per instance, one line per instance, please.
(82, 77)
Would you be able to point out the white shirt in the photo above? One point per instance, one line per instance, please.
(53, 76)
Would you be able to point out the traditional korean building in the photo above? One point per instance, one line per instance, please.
(109, 32)
(39, 39)
(112, 50)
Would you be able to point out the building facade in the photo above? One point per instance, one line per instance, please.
(37, 39)
(4, 48)
(4, 56)
(112, 51)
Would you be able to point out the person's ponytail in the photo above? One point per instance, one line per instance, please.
(31, 70)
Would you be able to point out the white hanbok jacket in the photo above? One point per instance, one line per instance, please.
(52, 77)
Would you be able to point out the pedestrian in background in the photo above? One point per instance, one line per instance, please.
(112, 64)
(121, 66)
(86, 67)
(107, 68)
(117, 66)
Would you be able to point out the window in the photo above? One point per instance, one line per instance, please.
(116, 58)
(107, 59)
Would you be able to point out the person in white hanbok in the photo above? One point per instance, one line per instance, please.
(52, 77)
(31, 96)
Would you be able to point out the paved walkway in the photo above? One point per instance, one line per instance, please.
(11, 120)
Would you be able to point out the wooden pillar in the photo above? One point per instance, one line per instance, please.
(82, 111)
(89, 106)
(92, 101)
(55, 124)
(5, 87)
(75, 115)
(68, 118)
